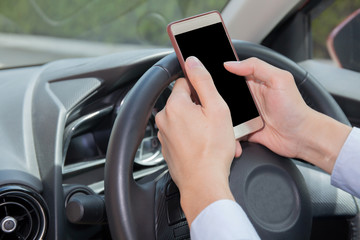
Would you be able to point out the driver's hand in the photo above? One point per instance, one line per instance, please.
(198, 141)
(292, 129)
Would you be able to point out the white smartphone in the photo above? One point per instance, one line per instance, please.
(205, 37)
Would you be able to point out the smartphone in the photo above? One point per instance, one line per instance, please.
(205, 37)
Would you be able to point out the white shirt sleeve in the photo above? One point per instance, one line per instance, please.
(223, 219)
(346, 172)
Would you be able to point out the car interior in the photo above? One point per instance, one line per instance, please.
(80, 157)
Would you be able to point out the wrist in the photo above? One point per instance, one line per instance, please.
(200, 194)
(323, 140)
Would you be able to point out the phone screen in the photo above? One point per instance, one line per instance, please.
(211, 46)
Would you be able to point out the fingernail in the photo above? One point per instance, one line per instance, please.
(193, 62)
(232, 63)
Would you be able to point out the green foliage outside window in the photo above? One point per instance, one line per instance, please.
(111, 21)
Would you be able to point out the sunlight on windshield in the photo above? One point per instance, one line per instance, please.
(38, 31)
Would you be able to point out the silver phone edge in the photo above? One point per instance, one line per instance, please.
(246, 128)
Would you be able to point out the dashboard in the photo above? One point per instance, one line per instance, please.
(55, 127)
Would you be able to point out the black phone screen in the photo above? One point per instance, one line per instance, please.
(211, 46)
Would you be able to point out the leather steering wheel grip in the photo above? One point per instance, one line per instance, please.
(130, 206)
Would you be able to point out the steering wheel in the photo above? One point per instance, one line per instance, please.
(270, 188)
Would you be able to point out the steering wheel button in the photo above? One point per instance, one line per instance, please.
(173, 210)
(171, 189)
(182, 232)
(182, 214)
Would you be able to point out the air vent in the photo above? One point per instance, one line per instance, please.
(23, 214)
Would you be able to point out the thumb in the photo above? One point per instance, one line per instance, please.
(202, 82)
(256, 68)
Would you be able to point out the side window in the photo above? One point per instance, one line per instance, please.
(323, 31)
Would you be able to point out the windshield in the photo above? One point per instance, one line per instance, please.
(39, 31)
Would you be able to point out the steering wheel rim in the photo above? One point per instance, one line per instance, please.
(134, 210)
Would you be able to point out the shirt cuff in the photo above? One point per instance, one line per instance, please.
(223, 219)
(346, 171)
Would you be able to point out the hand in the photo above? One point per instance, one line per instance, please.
(292, 129)
(198, 141)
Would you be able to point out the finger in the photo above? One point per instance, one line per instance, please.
(160, 120)
(179, 101)
(159, 136)
(258, 69)
(238, 149)
(186, 85)
(180, 95)
(257, 137)
(202, 82)
(163, 146)
(182, 86)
